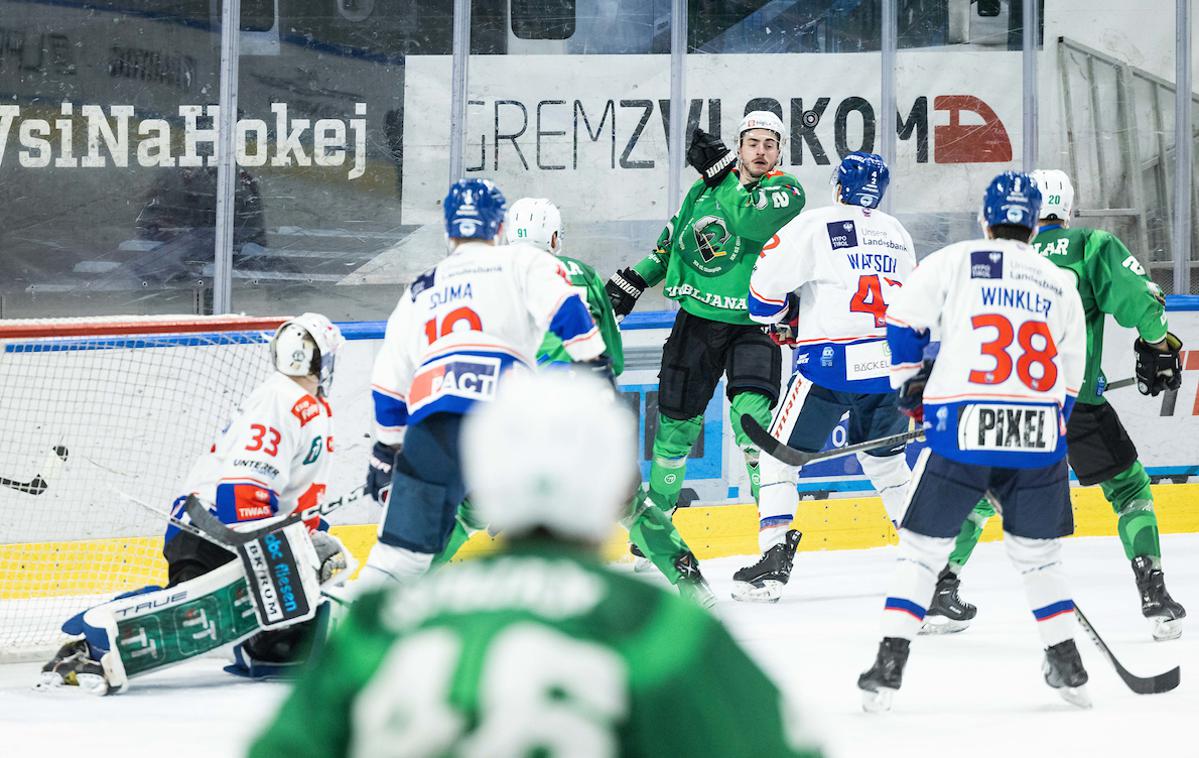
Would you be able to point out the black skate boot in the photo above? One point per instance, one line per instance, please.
(1064, 672)
(947, 613)
(880, 682)
(692, 584)
(763, 582)
(1156, 603)
(73, 666)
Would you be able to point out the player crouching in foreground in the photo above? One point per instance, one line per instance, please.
(272, 460)
(539, 649)
(994, 405)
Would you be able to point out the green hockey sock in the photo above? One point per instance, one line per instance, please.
(757, 406)
(672, 445)
(465, 524)
(652, 530)
(971, 532)
(1132, 500)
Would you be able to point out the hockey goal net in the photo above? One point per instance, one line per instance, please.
(97, 411)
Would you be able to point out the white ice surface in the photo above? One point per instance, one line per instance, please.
(978, 693)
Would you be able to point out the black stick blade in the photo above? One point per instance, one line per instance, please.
(1142, 685)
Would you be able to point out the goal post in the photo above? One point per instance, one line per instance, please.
(94, 409)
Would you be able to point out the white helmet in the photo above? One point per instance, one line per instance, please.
(553, 451)
(307, 345)
(534, 220)
(1057, 194)
(763, 120)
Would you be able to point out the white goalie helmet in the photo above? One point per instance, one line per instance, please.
(1057, 194)
(307, 345)
(553, 451)
(534, 220)
(763, 120)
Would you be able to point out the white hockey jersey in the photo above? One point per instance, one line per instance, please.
(272, 458)
(460, 325)
(845, 263)
(1012, 355)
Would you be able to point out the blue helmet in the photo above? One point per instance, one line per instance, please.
(1012, 198)
(474, 209)
(863, 178)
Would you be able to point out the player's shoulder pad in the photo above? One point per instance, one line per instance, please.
(422, 282)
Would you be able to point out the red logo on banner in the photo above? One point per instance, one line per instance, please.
(956, 142)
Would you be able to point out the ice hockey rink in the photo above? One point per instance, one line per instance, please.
(977, 693)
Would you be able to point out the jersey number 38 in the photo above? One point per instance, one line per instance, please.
(1036, 349)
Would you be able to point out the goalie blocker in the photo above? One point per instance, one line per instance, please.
(273, 587)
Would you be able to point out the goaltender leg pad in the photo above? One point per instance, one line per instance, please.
(1098, 446)
(282, 570)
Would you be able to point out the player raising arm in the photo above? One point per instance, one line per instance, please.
(1110, 280)
(995, 405)
(539, 649)
(271, 460)
(824, 289)
(478, 314)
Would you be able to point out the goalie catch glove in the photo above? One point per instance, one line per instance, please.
(710, 157)
(378, 476)
(911, 395)
(1159, 365)
(623, 289)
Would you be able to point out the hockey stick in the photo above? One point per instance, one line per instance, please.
(775, 448)
(38, 484)
(1142, 685)
(1120, 384)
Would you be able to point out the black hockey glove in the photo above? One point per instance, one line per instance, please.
(911, 395)
(784, 332)
(623, 289)
(378, 476)
(710, 157)
(1159, 366)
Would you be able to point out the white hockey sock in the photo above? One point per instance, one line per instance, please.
(388, 563)
(890, 477)
(1040, 566)
(777, 500)
(772, 531)
(913, 583)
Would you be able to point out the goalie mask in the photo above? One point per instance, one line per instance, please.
(553, 451)
(307, 345)
(534, 220)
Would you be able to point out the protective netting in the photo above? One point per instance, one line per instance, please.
(94, 412)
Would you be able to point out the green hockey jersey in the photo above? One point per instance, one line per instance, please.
(537, 651)
(707, 251)
(1110, 281)
(591, 289)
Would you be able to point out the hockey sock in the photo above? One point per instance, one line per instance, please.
(890, 476)
(672, 445)
(1132, 500)
(1040, 566)
(971, 532)
(757, 406)
(913, 583)
(654, 533)
(465, 524)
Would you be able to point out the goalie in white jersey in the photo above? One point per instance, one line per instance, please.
(823, 289)
(482, 311)
(994, 404)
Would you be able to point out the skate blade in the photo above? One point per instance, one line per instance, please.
(48, 680)
(877, 701)
(942, 625)
(642, 565)
(1076, 696)
(769, 592)
(1167, 629)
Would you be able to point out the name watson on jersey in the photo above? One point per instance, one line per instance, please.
(44, 142)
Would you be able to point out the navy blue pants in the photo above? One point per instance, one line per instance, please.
(426, 486)
(1034, 502)
(818, 410)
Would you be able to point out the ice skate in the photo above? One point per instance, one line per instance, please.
(641, 564)
(73, 666)
(763, 582)
(947, 613)
(880, 682)
(1156, 604)
(692, 584)
(1064, 672)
